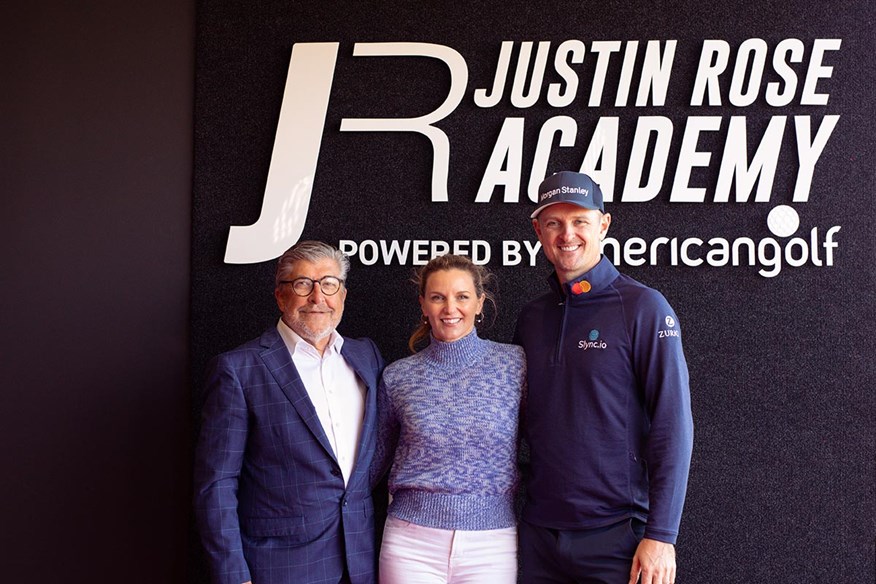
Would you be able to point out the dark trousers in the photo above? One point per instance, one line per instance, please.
(603, 555)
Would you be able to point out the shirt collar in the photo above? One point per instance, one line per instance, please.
(294, 341)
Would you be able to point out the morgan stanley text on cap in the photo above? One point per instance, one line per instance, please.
(568, 187)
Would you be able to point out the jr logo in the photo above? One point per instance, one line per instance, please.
(299, 135)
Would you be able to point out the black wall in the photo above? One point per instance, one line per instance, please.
(95, 174)
(781, 485)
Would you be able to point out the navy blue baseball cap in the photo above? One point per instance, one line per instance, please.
(569, 187)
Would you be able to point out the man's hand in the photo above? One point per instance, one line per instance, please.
(655, 561)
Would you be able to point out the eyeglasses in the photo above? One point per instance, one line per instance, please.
(328, 285)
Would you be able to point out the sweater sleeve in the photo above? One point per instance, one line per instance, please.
(662, 375)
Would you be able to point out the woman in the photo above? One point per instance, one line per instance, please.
(448, 426)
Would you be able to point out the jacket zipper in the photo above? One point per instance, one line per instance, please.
(558, 356)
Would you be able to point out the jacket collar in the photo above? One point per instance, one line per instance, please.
(277, 359)
(588, 284)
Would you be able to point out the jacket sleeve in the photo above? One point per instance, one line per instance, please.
(379, 363)
(218, 462)
(388, 429)
(662, 374)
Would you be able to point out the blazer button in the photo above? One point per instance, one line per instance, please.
(336, 472)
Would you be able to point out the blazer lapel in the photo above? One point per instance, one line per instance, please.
(278, 361)
(365, 373)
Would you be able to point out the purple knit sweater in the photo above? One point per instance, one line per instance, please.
(448, 425)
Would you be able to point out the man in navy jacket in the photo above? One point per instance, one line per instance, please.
(282, 492)
(607, 415)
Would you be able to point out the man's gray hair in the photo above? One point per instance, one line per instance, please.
(310, 251)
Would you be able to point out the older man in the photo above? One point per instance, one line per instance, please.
(608, 416)
(282, 492)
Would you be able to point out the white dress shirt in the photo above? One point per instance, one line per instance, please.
(336, 392)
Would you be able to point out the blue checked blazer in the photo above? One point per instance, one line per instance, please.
(270, 500)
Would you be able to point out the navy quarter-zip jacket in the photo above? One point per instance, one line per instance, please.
(607, 417)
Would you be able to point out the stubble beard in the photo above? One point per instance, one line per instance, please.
(310, 334)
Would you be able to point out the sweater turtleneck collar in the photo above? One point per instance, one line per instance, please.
(458, 353)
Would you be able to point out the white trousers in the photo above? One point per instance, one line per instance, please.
(413, 554)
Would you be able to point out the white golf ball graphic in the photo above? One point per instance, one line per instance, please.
(783, 221)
